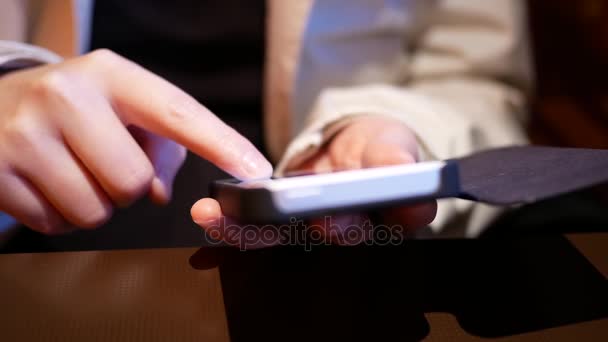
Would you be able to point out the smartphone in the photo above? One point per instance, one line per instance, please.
(279, 200)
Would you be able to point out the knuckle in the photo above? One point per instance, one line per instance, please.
(53, 229)
(102, 57)
(21, 135)
(94, 217)
(134, 184)
(50, 225)
(52, 84)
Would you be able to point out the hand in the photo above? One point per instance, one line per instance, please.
(98, 131)
(367, 141)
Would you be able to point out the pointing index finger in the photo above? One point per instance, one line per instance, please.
(152, 103)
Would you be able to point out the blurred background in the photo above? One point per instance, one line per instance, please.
(570, 44)
(569, 108)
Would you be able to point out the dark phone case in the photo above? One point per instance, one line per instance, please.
(526, 174)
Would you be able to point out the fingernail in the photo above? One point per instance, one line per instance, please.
(256, 166)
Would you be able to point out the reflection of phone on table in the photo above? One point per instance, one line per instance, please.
(277, 200)
(502, 176)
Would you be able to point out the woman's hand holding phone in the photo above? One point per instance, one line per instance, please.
(367, 141)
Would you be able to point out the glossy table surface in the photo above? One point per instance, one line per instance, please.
(529, 288)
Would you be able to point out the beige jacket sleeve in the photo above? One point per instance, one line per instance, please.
(459, 82)
(14, 32)
(40, 31)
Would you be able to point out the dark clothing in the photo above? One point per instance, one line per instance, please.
(214, 50)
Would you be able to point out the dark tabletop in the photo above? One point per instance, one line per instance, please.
(549, 287)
